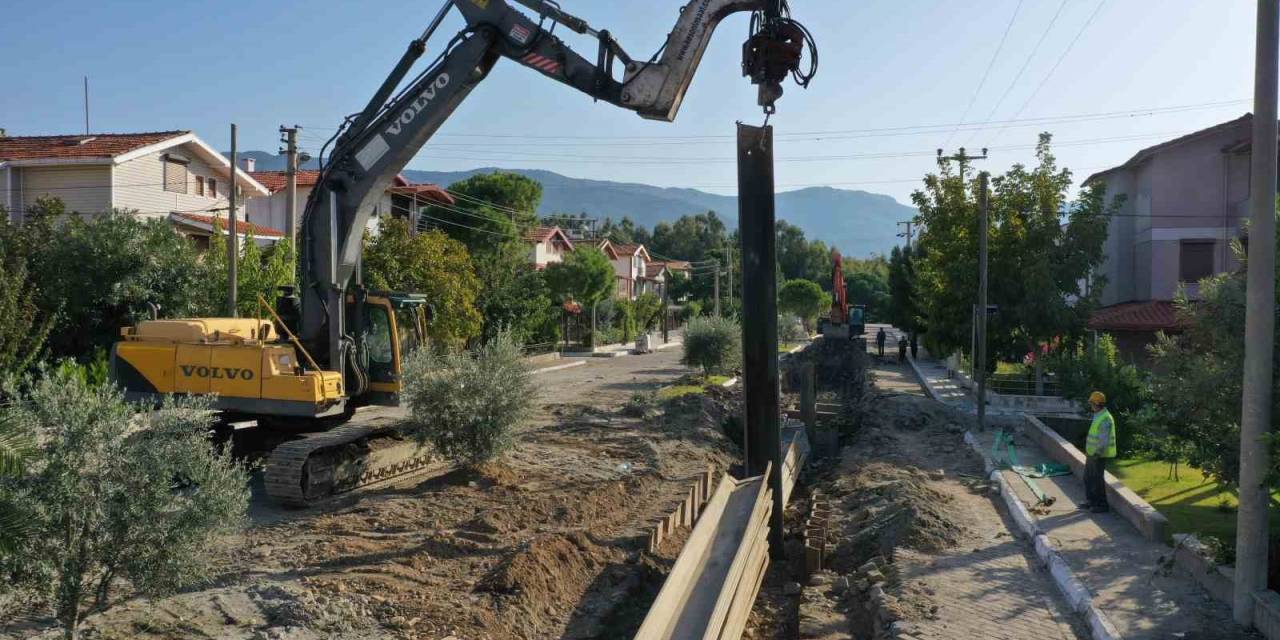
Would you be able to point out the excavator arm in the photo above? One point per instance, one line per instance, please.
(380, 141)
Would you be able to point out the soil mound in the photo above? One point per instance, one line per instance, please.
(551, 570)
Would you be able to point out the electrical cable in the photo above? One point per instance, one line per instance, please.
(1026, 63)
(987, 73)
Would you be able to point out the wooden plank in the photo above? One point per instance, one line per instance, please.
(748, 589)
(672, 597)
(759, 523)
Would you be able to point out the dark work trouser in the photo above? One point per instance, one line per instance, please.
(1095, 486)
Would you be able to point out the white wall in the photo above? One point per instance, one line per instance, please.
(83, 188)
(139, 184)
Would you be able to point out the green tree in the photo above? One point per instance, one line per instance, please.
(97, 273)
(804, 299)
(259, 272)
(648, 310)
(904, 309)
(521, 306)
(16, 446)
(584, 276)
(625, 231)
(1036, 263)
(115, 494)
(695, 238)
(468, 405)
(433, 264)
(491, 211)
(23, 327)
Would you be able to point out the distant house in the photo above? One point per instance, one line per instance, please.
(655, 279)
(402, 199)
(165, 174)
(1185, 201)
(547, 245)
(630, 266)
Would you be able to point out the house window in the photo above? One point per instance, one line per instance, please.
(175, 175)
(1195, 260)
(199, 185)
(213, 188)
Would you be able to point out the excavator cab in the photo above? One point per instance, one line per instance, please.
(392, 326)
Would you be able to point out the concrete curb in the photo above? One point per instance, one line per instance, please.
(924, 382)
(558, 367)
(1074, 591)
(668, 345)
(1129, 505)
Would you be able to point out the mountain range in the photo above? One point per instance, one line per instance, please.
(859, 223)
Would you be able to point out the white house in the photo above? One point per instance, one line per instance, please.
(164, 174)
(402, 198)
(630, 267)
(547, 245)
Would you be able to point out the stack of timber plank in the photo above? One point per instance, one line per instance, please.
(710, 590)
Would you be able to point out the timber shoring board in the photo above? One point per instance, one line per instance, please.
(686, 512)
(714, 561)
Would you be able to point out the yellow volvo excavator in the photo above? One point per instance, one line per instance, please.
(333, 345)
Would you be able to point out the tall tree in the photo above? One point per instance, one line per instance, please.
(1036, 263)
(904, 308)
(802, 298)
(433, 264)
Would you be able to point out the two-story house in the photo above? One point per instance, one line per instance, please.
(547, 245)
(1185, 200)
(164, 174)
(630, 267)
(402, 199)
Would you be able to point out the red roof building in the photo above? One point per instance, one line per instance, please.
(153, 174)
(547, 245)
(402, 199)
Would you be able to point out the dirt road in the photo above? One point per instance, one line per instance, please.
(546, 543)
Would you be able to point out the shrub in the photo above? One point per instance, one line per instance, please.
(791, 329)
(1082, 370)
(802, 298)
(468, 404)
(112, 494)
(714, 344)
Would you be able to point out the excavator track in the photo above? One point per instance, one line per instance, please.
(322, 465)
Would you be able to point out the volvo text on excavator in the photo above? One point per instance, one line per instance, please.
(333, 345)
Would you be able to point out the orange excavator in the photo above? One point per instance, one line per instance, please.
(845, 321)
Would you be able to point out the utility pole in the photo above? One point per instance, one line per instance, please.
(233, 236)
(906, 235)
(716, 272)
(980, 368)
(756, 220)
(728, 271)
(291, 184)
(86, 105)
(963, 159)
(1260, 296)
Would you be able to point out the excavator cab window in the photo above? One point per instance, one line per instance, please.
(408, 328)
(377, 335)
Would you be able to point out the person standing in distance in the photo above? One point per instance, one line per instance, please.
(1098, 448)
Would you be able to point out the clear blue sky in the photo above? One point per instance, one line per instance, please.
(884, 64)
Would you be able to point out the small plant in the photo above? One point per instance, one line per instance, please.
(111, 494)
(641, 405)
(714, 344)
(468, 404)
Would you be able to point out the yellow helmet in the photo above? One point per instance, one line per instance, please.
(1098, 398)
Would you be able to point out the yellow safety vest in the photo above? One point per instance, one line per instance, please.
(1091, 443)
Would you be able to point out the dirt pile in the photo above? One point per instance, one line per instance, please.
(838, 365)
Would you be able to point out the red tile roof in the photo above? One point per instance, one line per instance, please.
(675, 265)
(652, 269)
(545, 234)
(242, 227)
(1150, 315)
(627, 249)
(79, 147)
(425, 191)
(277, 180)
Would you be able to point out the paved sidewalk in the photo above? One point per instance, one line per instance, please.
(1128, 575)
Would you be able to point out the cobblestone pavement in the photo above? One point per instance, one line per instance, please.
(989, 585)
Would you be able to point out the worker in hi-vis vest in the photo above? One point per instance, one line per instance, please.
(1098, 448)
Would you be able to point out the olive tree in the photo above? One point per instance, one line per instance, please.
(713, 344)
(467, 405)
(113, 496)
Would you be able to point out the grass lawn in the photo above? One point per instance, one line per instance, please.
(675, 391)
(1193, 503)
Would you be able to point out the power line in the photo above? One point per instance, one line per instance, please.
(1027, 63)
(1058, 62)
(985, 74)
(921, 129)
